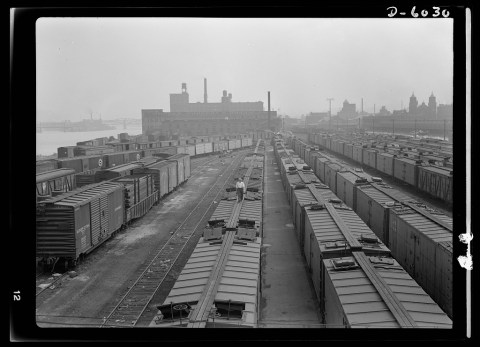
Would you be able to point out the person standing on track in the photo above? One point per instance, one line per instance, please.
(240, 189)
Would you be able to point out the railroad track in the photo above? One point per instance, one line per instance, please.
(40, 290)
(133, 303)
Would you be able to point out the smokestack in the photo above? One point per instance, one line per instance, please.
(362, 105)
(268, 124)
(205, 90)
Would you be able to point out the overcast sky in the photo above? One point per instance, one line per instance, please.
(118, 66)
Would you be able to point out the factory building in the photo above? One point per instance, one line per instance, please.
(224, 117)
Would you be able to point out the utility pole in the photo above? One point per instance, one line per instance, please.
(330, 114)
(268, 125)
(373, 119)
(393, 127)
(444, 128)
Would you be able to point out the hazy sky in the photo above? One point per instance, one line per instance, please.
(117, 66)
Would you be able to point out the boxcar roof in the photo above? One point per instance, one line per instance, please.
(83, 195)
(238, 282)
(364, 306)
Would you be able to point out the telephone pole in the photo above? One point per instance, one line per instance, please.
(330, 114)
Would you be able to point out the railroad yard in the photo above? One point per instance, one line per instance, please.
(198, 257)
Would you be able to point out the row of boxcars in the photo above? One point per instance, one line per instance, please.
(360, 279)
(72, 221)
(66, 174)
(429, 169)
(102, 160)
(219, 285)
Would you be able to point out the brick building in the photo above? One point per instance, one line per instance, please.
(190, 119)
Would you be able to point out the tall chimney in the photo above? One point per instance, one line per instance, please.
(205, 90)
(362, 105)
(268, 124)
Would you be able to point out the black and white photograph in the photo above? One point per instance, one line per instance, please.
(290, 174)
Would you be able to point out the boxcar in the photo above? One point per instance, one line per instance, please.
(90, 150)
(236, 301)
(238, 143)
(115, 172)
(436, 181)
(140, 194)
(132, 156)
(54, 182)
(66, 152)
(114, 159)
(159, 172)
(373, 204)
(406, 170)
(76, 222)
(331, 170)
(385, 163)
(190, 150)
(183, 167)
(370, 157)
(348, 150)
(357, 151)
(321, 163)
(84, 163)
(46, 165)
(421, 241)
(199, 148)
(325, 239)
(370, 292)
(347, 183)
(208, 147)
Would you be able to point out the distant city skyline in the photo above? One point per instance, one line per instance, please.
(118, 66)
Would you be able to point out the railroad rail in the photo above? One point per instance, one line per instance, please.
(127, 312)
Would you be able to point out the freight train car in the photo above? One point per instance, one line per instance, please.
(347, 183)
(84, 163)
(436, 181)
(312, 203)
(362, 291)
(54, 182)
(219, 285)
(373, 202)
(46, 165)
(160, 173)
(183, 167)
(140, 194)
(115, 172)
(421, 241)
(75, 223)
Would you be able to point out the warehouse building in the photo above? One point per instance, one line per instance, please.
(192, 119)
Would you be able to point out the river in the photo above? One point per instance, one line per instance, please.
(47, 141)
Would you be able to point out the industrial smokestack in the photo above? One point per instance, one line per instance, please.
(205, 90)
(362, 105)
(268, 124)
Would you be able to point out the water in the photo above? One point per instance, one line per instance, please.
(47, 142)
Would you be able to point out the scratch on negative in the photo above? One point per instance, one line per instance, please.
(466, 261)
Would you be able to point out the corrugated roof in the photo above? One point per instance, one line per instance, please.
(83, 195)
(426, 225)
(238, 282)
(327, 231)
(364, 306)
(376, 194)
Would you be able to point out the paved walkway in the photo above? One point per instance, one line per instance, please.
(287, 296)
